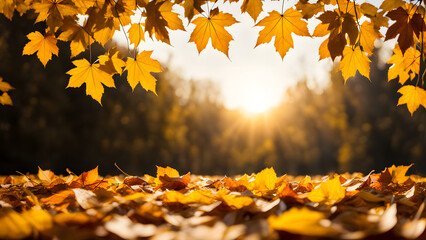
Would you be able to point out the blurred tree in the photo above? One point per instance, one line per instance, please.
(352, 127)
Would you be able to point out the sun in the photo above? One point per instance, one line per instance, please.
(256, 99)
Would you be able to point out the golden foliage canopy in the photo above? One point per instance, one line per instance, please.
(348, 28)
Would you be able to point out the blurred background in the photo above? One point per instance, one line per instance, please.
(339, 127)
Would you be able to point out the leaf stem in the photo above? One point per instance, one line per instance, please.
(121, 24)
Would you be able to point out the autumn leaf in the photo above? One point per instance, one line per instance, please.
(281, 26)
(5, 86)
(139, 69)
(302, 221)
(13, 225)
(399, 173)
(350, 27)
(171, 172)
(368, 36)
(159, 15)
(238, 185)
(236, 201)
(405, 26)
(136, 34)
(354, 60)
(213, 28)
(403, 64)
(194, 197)
(252, 7)
(337, 40)
(45, 176)
(77, 35)
(307, 9)
(412, 96)
(265, 181)
(388, 5)
(7, 8)
(39, 219)
(92, 75)
(54, 11)
(5, 98)
(45, 46)
(192, 7)
(113, 61)
(329, 192)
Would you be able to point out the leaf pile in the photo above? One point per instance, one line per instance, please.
(173, 206)
(349, 30)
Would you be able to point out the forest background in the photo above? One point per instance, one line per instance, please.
(345, 127)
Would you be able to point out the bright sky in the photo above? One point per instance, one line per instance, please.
(252, 76)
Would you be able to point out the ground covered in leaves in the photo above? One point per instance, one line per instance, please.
(386, 205)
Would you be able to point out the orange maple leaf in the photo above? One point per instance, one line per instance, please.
(213, 28)
(139, 71)
(412, 96)
(136, 34)
(93, 75)
(45, 46)
(252, 7)
(192, 7)
(354, 60)
(54, 11)
(159, 15)
(281, 26)
(405, 66)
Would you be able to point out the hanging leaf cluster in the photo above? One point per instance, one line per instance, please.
(386, 205)
(348, 29)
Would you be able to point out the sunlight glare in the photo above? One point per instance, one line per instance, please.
(256, 99)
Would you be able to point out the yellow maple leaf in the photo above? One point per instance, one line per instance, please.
(265, 180)
(321, 30)
(412, 96)
(309, 9)
(403, 64)
(91, 74)
(368, 36)
(78, 36)
(103, 31)
(302, 221)
(252, 7)
(323, 51)
(398, 173)
(281, 26)
(192, 7)
(138, 71)
(136, 34)
(113, 61)
(7, 7)
(45, 46)
(353, 60)
(329, 192)
(54, 11)
(213, 28)
(388, 5)
(159, 15)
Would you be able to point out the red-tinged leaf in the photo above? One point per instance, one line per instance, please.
(405, 26)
